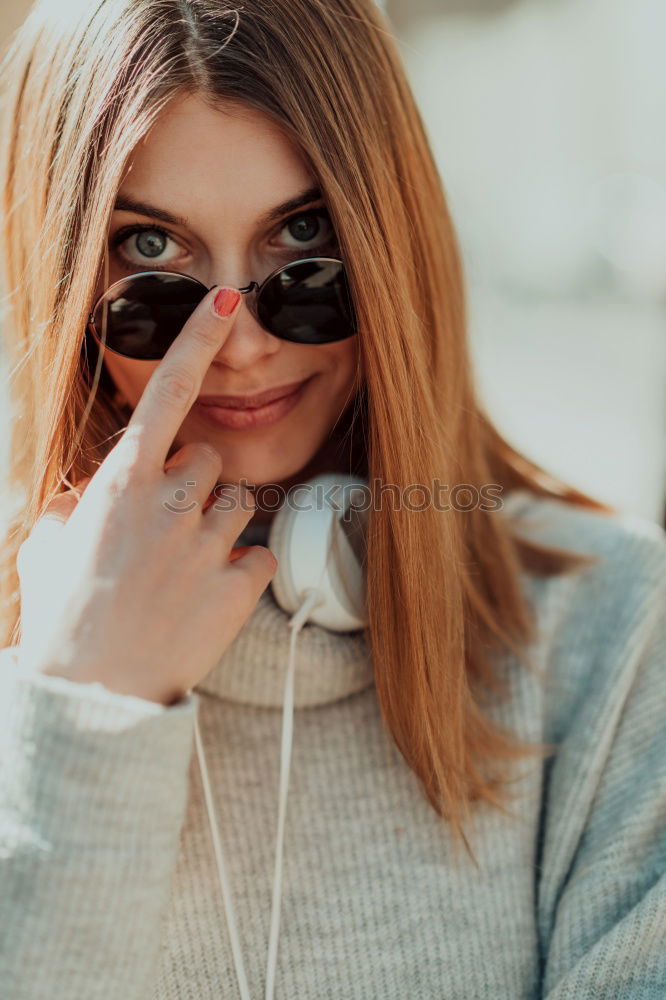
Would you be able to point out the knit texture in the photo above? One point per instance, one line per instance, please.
(108, 884)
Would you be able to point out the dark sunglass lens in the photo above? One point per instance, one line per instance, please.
(308, 302)
(144, 314)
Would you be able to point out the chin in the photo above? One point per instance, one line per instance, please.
(264, 467)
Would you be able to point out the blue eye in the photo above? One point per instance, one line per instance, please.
(312, 227)
(150, 245)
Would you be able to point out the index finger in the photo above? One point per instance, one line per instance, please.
(175, 383)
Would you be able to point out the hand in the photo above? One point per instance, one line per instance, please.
(119, 585)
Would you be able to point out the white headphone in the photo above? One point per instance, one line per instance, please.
(318, 537)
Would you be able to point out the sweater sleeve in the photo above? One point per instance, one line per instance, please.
(604, 883)
(93, 790)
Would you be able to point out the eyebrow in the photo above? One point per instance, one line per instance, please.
(126, 204)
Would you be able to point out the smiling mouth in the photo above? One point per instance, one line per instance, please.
(248, 418)
(252, 402)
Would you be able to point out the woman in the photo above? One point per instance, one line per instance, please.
(513, 651)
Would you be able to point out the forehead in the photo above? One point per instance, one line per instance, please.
(196, 158)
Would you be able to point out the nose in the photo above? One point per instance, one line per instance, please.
(248, 342)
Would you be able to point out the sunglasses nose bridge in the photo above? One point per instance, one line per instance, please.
(252, 291)
(252, 287)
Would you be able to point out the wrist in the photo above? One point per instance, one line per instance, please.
(117, 685)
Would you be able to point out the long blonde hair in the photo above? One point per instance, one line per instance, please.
(81, 85)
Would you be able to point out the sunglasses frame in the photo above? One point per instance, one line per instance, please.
(253, 287)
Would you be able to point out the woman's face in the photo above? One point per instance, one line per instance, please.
(221, 173)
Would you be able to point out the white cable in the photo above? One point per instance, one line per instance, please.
(243, 987)
(311, 597)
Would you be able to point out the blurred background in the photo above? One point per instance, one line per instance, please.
(546, 118)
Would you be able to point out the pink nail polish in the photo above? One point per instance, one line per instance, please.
(226, 301)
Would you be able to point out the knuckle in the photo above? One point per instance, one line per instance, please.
(271, 562)
(223, 500)
(238, 498)
(209, 452)
(175, 386)
(123, 475)
(263, 563)
(125, 461)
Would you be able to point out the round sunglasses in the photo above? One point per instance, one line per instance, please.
(306, 302)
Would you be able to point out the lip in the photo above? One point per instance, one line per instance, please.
(247, 418)
(251, 402)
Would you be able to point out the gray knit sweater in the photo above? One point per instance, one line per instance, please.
(108, 885)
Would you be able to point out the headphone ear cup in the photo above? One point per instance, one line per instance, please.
(312, 554)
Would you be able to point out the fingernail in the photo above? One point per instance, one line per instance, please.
(238, 552)
(225, 302)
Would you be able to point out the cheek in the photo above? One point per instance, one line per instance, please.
(342, 361)
(342, 381)
(130, 377)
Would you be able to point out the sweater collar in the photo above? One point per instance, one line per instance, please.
(252, 670)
